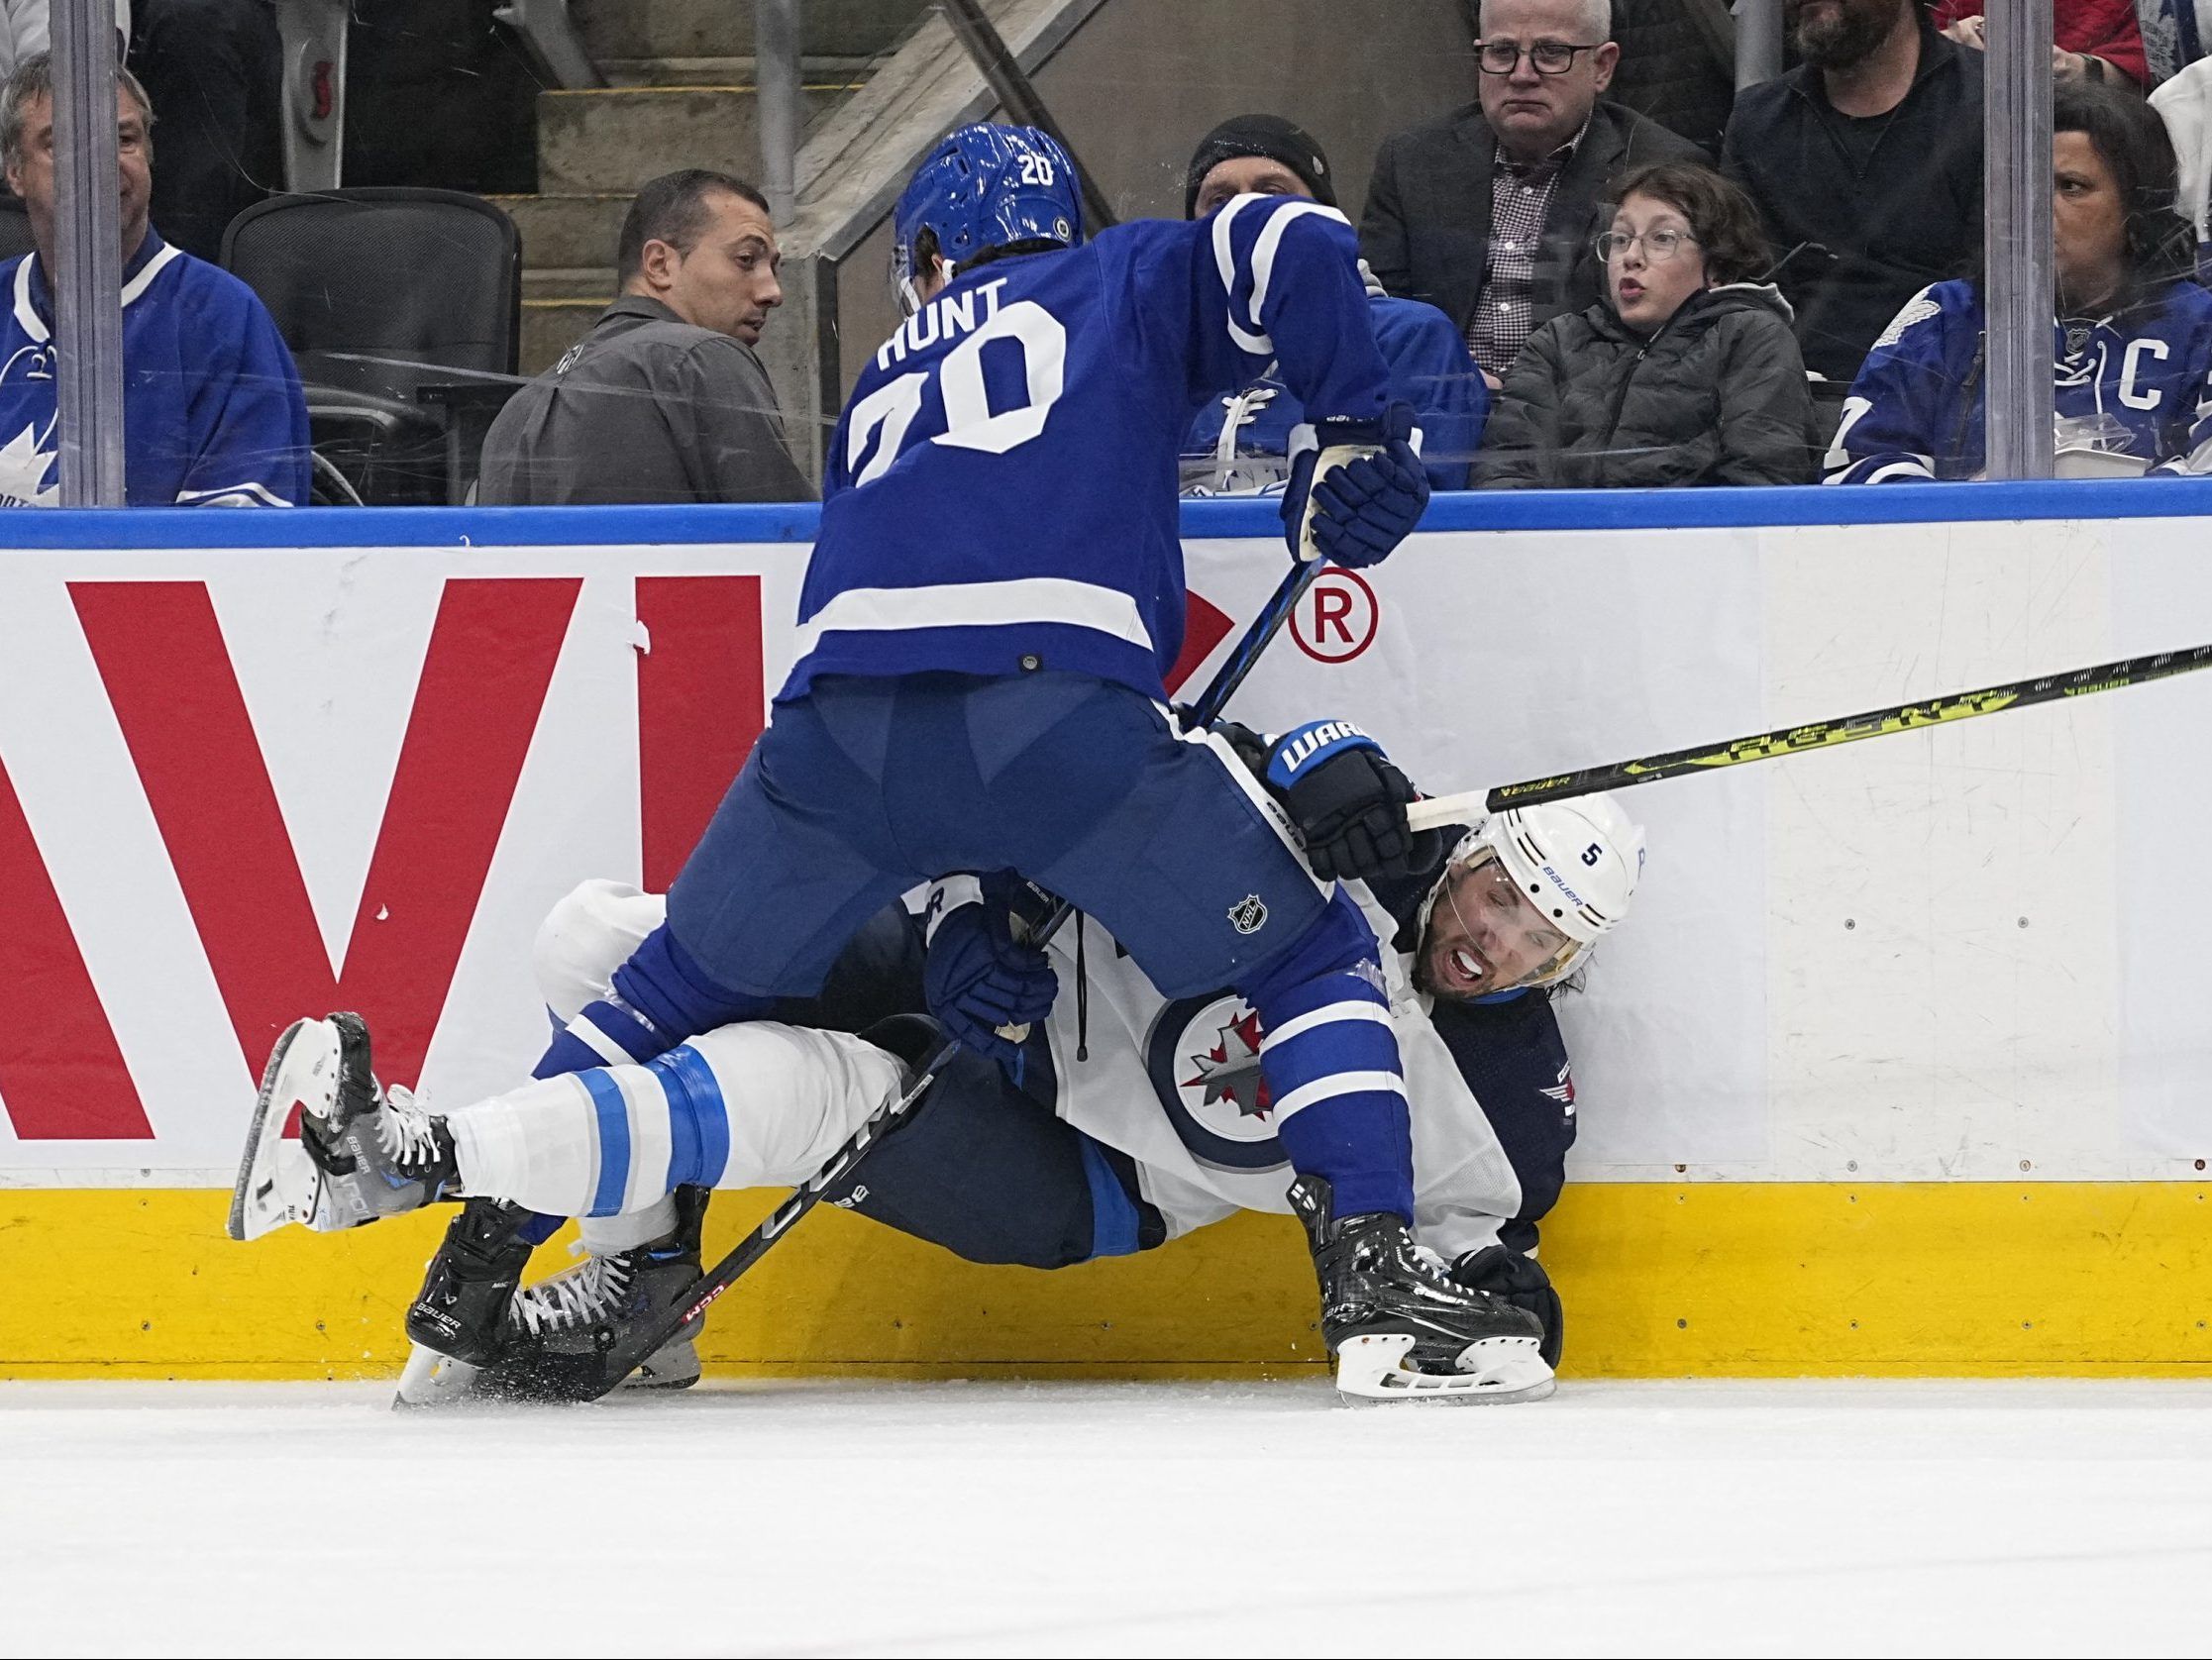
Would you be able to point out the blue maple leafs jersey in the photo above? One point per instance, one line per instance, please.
(213, 414)
(1000, 492)
(2135, 381)
(1430, 368)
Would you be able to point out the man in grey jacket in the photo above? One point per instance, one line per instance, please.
(665, 400)
(1488, 213)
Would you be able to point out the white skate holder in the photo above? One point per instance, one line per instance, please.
(1493, 1372)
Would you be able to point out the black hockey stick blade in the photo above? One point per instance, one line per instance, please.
(579, 1378)
(1820, 734)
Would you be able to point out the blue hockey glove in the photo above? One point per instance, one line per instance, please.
(1356, 489)
(1346, 797)
(976, 977)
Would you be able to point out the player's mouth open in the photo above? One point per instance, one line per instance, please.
(1468, 970)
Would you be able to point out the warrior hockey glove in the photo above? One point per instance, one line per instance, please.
(977, 977)
(1356, 489)
(1346, 797)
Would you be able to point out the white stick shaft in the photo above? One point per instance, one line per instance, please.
(1440, 811)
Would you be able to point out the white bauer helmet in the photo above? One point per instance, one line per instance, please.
(1577, 861)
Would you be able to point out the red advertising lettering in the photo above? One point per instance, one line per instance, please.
(176, 698)
(701, 706)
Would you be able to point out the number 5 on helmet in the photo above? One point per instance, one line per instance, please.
(1356, 487)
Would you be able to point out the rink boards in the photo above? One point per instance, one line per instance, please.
(1903, 1063)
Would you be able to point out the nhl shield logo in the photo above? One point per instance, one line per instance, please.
(1249, 914)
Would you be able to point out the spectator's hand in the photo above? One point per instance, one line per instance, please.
(2066, 64)
(1969, 32)
(1492, 381)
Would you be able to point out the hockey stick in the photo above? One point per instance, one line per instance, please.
(1821, 734)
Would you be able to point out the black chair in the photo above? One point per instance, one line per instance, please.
(395, 303)
(15, 227)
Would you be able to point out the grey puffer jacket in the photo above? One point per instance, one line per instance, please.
(1718, 396)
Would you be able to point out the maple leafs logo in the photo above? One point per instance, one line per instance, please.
(1230, 1070)
(23, 472)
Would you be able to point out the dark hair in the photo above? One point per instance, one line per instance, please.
(1722, 217)
(673, 209)
(2132, 139)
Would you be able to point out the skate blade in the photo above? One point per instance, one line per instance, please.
(278, 1181)
(433, 1380)
(1496, 1372)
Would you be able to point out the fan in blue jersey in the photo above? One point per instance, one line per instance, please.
(1241, 441)
(995, 595)
(213, 414)
(2131, 345)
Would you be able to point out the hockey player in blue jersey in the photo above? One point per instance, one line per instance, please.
(2131, 343)
(994, 594)
(213, 414)
(1141, 1120)
(1241, 441)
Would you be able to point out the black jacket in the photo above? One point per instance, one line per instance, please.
(1718, 396)
(1912, 217)
(1426, 231)
(1677, 66)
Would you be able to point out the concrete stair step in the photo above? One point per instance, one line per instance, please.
(550, 327)
(569, 282)
(646, 29)
(567, 233)
(729, 71)
(612, 141)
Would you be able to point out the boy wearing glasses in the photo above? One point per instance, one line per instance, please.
(1488, 213)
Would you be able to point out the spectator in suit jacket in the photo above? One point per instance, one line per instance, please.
(1488, 213)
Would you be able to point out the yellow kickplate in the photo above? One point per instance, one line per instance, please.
(1719, 1278)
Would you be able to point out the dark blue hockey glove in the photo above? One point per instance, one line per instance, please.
(1357, 509)
(977, 979)
(1519, 1280)
(1346, 798)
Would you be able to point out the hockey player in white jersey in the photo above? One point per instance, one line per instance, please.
(1136, 1119)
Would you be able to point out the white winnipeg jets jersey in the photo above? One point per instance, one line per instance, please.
(1176, 1085)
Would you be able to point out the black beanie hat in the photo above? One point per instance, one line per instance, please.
(1260, 135)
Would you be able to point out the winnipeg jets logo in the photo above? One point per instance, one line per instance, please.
(1563, 1091)
(1230, 1070)
(1203, 1055)
(1249, 914)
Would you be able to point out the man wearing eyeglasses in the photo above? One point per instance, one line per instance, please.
(1488, 213)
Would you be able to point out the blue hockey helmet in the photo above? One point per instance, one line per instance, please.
(985, 186)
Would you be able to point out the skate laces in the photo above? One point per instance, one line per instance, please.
(406, 1130)
(576, 1298)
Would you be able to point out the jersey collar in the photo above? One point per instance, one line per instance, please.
(34, 303)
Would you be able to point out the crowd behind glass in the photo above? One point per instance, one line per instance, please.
(1610, 268)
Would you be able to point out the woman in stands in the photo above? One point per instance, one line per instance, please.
(2133, 334)
(1687, 373)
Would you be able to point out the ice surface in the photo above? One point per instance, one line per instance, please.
(1109, 1519)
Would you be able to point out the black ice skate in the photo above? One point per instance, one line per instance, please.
(477, 1337)
(362, 1155)
(559, 1330)
(1400, 1326)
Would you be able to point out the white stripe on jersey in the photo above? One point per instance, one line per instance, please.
(1256, 338)
(1346, 1011)
(1024, 599)
(1339, 1084)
